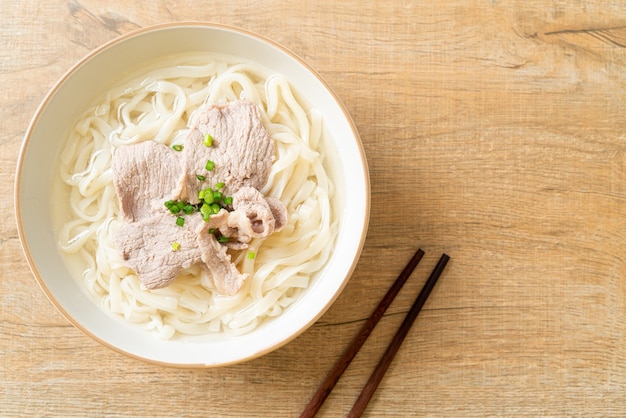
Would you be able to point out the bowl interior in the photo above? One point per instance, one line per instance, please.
(78, 88)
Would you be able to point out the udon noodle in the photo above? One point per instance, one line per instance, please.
(158, 106)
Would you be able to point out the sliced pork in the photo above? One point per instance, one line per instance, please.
(156, 248)
(143, 175)
(279, 211)
(226, 277)
(252, 216)
(241, 150)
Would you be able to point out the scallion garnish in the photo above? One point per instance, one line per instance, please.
(200, 177)
(205, 210)
(175, 246)
(209, 165)
(208, 140)
(207, 196)
(177, 147)
(251, 255)
(211, 202)
(222, 239)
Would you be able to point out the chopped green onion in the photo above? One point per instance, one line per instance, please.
(222, 239)
(200, 177)
(180, 221)
(207, 196)
(177, 147)
(211, 230)
(175, 246)
(206, 217)
(209, 165)
(215, 208)
(208, 140)
(174, 209)
(217, 196)
(188, 209)
(168, 204)
(205, 209)
(219, 185)
(228, 200)
(251, 255)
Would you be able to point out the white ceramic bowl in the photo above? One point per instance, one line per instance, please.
(76, 89)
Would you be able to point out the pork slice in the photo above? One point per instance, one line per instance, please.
(226, 278)
(253, 216)
(143, 175)
(146, 247)
(279, 211)
(242, 150)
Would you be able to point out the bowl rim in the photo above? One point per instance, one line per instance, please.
(58, 84)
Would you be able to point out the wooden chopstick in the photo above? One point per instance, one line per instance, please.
(392, 349)
(342, 364)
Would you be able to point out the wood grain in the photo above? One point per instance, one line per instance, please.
(493, 132)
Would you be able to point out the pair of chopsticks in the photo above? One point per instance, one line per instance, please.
(370, 387)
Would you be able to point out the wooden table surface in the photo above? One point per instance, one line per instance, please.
(493, 132)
